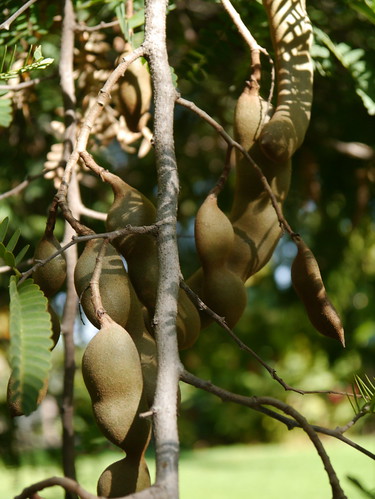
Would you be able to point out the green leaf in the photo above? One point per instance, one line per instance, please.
(20, 256)
(353, 60)
(3, 228)
(13, 241)
(38, 53)
(174, 77)
(6, 112)
(30, 342)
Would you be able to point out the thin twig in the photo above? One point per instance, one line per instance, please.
(26, 84)
(224, 174)
(96, 299)
(221, 321)
(66, 483)
(258, 402)
(6, 24)
(97, 27)
(22, 185)
(228, 396)
(129, 229)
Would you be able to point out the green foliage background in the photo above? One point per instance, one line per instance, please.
(331, 203)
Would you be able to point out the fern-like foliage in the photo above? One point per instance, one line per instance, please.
(30, 343)
(38, 62)
(353, 60)
(7, 251)
(364, 401)
(30, 330)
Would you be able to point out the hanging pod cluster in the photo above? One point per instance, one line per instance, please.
(119, 366)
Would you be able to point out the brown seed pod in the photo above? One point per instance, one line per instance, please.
(135, 94)
(50, 276)
(308, 283)
(113, 283)
(254, 219)
(112, 374)
(124, 477)
(145, 344)
(291, 35)
(220, 288)
(130, 207)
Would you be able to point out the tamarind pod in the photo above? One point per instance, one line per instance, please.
(308, 283)
(291, 35)
(254, 219)
(50, 276)
(112, 374)
(113, 283)
(135, 94)
(130, 207)
(124, 477)
(145, 345)
(130, 474)
(221, 289)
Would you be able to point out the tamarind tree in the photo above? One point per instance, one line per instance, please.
(182, 176)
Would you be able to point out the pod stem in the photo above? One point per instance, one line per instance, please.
(219, 186)
(103, 317)
(115, 182)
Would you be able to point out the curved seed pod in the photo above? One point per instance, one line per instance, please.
(131, 473)
(222, 290)
(130, 207)
(50, 276)
(309, 286)
(135, 94)
(113, 283)
(112, 374)
(291, 34)
(254, 219)
(145, 344)
(124, 477)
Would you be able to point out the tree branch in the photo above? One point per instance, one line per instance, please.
(71, 303)
(169, 366)
(228, 396)
(6, 24)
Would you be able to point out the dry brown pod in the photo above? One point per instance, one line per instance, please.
(219, 288)
(124, 477)
(135, 94)
(308, 283)
(291, 34)
(113, 283)
(130, 207)
(254, 219)
(50, 276)
(112, 374)
(145, 344)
